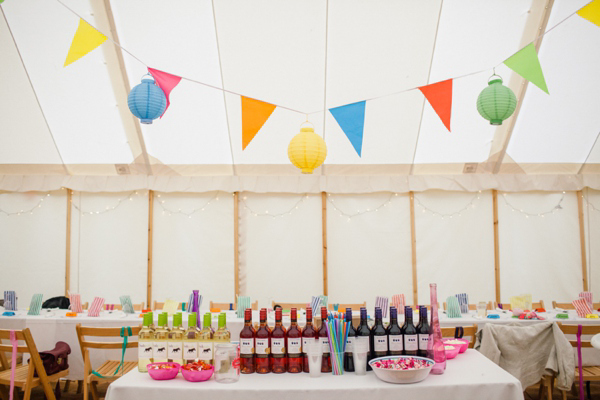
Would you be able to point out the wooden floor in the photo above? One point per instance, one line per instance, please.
(530, 394)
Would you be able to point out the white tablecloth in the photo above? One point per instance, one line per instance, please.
(469, 376)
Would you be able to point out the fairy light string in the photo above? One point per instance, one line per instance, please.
(25, 210)
(187, 213)
(108, 208)
(554, 209)
(267, 213)
(470, 205)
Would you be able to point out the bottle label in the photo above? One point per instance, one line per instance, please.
(262, 346)
(305, 343)
(294, 346)
(396, 343)
(174, 350)
(349, 345)
(277, 346)
(205, 351)
(247, 346)
(325, 344)
(423, 341)
(190, 350)
(160, 350)
(380, 343)
(144, 350)
(411, 342)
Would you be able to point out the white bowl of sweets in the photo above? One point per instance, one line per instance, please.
(402, 369)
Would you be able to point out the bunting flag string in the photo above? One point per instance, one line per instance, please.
(254, 115)
(166, 82)
(86, 39)
(526, 63)
(591, 12)
(351, 118)
(439, 95)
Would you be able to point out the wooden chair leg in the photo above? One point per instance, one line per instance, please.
(541, 389)
(85, 389)
(67, 385)
(79, 387)
(4, 392)
(94, 388)
(550, 387)
(563, 394)
(588, 390)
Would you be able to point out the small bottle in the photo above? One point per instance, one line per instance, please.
(247, 335)
(205, 341)
(423, 332)
(379, 343)
(190, 340)
(394, 332)
(263, 345)
(309, 334)
(222, 334)
(411, 341)
(363, 331)
(348, 360)
(278, 345)
(161, 336)
(175, 343)
(145, 340)
(294, 344)
(326, 361)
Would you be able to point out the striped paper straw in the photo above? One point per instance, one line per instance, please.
(96, 307)
(36, 304)
(582, 307)
(463, 302)
(190, 303)
(589, 297)
(126, 304)
(75, 302)
(382, 302)
(10, 300)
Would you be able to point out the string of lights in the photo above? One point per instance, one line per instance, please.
(344, 214)
(108, 208)
(25, 211)
(469, 206)
(589, 203)
(189, 214)
(556, 208)
(296, 206)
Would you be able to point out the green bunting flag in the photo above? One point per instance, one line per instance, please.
(526, 63)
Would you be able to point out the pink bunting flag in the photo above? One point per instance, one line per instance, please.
(165, 81)
(96, 307)
(582, 307)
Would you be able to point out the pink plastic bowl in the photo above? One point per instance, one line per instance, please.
(451, 351)
(197, 376)
(464, 344)
(163, 374)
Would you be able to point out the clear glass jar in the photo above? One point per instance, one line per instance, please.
(227, 362)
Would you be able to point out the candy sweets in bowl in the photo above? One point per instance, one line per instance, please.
(462, 343)
(163, 370)
(198, 371)
(401, 369)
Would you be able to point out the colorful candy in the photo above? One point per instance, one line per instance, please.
(404, 363)
(197, 366)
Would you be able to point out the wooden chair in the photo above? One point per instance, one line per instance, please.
(289, 306)
(108, 368)
(428, 306)
(158, 306)
(592, 373)
(470, 331)
(342, 307)
(85, 305)
(225, 306)
(24, 374)
(570, 306)
(506, 306)
(136, 307)
(473, 307)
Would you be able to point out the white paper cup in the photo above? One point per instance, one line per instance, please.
(359, 355)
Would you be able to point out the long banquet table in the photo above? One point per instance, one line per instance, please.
(469, 376)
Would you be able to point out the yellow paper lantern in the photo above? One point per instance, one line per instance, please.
(307, 150)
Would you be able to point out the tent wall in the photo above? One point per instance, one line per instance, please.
(281, 248)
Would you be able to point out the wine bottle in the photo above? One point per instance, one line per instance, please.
(175, 343)
(363, 330)
(145, 340)
(411, 344)
(190, 340)
(247, 335)
(394, 332)
(222, 334)
(161, 335)
(423, 331)
(348, 360)
(378, 336)
(278, 345)
(205, 340)
(263, 344)
(294, 344)
(418, 311)
(308, 335)
(326, 361)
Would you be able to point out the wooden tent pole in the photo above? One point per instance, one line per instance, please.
(324, 233)
(150, 244)
(236, 245)
(413, 241)
(496, 245)
(68, 246)
(582, 240)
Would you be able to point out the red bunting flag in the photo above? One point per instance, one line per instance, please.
(165, 81)
(439, 96)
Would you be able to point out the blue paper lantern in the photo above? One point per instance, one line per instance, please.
(147, 101)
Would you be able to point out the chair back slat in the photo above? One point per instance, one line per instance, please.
(585, 330)
(5, 348)
(5, 334)
(506, 306)
(289, 306)
(105, 332)
(470, 331)
(110, 345)
(570, 306)
(354, 306)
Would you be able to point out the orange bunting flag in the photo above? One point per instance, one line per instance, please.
(439, 96)
(591, 12)
(254, 115)
(86, 39)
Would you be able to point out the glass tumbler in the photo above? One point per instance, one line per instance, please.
(227, 363)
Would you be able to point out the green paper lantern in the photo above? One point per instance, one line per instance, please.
(496, 102)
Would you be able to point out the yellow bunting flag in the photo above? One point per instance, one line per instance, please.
(254, 115)
(86, 39)
(591, 12)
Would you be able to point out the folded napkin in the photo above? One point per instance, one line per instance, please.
(463, 302)
(399, 302)
(10, 300)
(589, 297)
(126, 304)
(75, 302)
(36, 304)
(582, 307)
(453, 308)
(243, 302)
(382, 302)
(96, 307)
